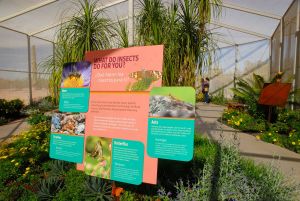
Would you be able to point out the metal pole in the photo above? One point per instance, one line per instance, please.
(297, 52)
(270, 57)
(29, 69)
(281, 44)
(235, 64)
(130, 21)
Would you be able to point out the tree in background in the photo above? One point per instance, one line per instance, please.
(87, 30)
(182, 28)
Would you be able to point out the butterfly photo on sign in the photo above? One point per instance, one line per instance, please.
(143, 79)
(98, 156)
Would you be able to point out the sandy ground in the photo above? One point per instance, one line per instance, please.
(23, 94)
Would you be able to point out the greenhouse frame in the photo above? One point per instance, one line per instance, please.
(251, 35)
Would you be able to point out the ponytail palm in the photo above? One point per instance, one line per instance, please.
(87, 30)
(182, 30)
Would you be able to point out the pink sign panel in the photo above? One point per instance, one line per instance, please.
(121, 81)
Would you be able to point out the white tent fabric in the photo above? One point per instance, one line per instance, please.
(41, 17)
(250, 29)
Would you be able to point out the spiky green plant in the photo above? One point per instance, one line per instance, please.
(150, 22)
(182, 29)
(97, 189)
(249, 89)
(48, 188)
(87, 30)
(122, 34)
(248, 92)
(58, 168)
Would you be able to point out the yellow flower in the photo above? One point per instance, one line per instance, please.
(31, 160)
(269, 134)
(16, 164)
(293, 143)
(274, 140)
(13, 160)
(237, 123)
(73, 81)
(3, 157)
(257, 137)
(28, 168)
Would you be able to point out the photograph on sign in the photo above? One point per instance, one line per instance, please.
(115, 159)
(76, 74)
(75, 83)
(68, 123)
(121, 80)
(97, 160)
(171, 123)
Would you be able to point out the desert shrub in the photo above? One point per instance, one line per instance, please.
(270, 183)
(97, 189)
(11, 110)
(17, 192)
(273, 137)
(230, 177)
(243, 121)
(3, 120)
(46, 104)
(74, 186)
(290, 118)
(21, 159)
(200, 97)
(293, 141)
(285, 132)
(219, 98)
(48, 188)
(37, 118)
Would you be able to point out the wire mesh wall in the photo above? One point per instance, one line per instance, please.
(239, 61)
(14, 72)
(16, 79)
(286, 48)
(21, 78)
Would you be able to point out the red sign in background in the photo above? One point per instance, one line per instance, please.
(275, 94)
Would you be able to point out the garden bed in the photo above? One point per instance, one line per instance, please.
(215, 173)
(10, 110)
(285, 132)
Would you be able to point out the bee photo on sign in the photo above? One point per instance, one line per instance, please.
(76, 75)
(98, 157)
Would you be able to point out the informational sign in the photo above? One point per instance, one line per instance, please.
(68, 129)
(116, 120)
(275, 94)
(74, 93)
(171, 123)
(115, 159)
(121, 81)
